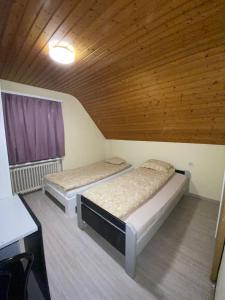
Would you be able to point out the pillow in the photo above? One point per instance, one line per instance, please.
(157, 165)
(115, 161)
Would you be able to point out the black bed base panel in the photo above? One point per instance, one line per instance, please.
(105, 214)
(114, 235)
(107, 225)
(53, 199)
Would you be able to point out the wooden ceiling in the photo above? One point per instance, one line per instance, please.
(145, 69)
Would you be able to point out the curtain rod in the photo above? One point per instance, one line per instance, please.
(29, 95)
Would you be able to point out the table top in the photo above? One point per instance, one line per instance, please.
(15, 221)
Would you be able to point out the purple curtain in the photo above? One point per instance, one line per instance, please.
(34, 128)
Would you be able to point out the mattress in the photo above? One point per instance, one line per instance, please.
(123, 195)
(150, 212)
(66, 194)
(71, 179)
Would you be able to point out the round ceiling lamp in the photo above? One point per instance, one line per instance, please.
(62, 52)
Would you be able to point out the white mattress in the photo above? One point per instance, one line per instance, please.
(66, 194)
(153, 210)
(74, 192)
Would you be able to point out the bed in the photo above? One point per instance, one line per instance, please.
(64, 186)
(130, 229)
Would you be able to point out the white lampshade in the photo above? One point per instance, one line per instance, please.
(61, 52)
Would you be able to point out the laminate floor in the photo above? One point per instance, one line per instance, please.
(175, 265)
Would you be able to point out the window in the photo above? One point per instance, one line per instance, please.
(34, 128)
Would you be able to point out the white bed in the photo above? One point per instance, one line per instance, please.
(142, 224)
(69, 198)
(148, 218)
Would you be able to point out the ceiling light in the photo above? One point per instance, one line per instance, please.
(61, 52)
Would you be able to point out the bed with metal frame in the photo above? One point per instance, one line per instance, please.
(131, 235)
(67, 199)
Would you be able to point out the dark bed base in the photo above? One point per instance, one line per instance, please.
(54, 200)
(108, 226)
(114, 230)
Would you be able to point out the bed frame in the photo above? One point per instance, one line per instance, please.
(118, 233)
(70, 203)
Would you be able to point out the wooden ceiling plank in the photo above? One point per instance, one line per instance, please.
(163, 100)
(183, 52)
(167, 57)
(121, 48)
(30, 15)
(205, 64)
(5, 8)
(154, 115)
(15, 16)
(111, 11)
(176, 85)
(53, 23)
(153, 109)
(39, 25)
(72, 19)
(102, 41)
(137, 71)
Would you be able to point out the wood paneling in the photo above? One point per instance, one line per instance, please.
(145, 70)
(220, 240)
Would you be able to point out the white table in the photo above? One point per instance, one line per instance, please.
(18, 222)
(15, 221)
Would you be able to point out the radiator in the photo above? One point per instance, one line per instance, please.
(29, 177)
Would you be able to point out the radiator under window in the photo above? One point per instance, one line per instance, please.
(29, 177)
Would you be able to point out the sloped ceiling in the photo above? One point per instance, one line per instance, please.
(145, 69)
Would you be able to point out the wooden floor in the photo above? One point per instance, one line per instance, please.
(175, 265)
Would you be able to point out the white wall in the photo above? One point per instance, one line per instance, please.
(5, 185)
(84, 143)
(205, 162)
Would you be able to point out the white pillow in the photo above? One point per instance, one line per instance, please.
(115, 161)
(157, 165)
